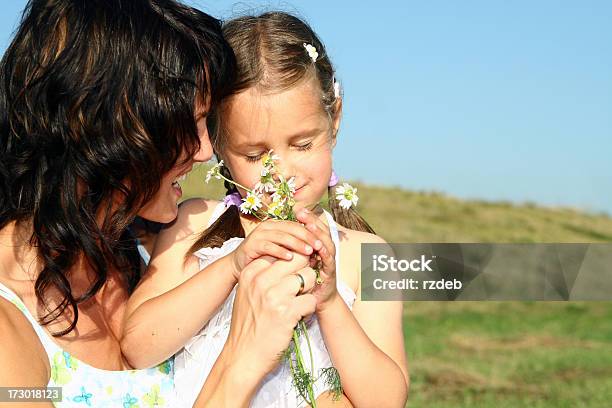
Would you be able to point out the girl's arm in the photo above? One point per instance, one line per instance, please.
(174, 299)
(366, 345)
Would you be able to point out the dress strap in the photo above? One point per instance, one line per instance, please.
(217, 212)
(8, 294)
(144, 254)
(333, 230)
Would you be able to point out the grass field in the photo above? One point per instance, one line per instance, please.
(492, 354)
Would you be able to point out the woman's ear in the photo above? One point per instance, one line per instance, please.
(337, 116)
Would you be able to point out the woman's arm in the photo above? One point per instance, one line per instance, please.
(231, 383)
(22, 356)
(366, 345)
(266, 309)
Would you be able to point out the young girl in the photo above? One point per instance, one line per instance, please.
(286, 100)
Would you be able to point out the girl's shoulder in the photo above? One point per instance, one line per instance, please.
(194, 214)
(176, 238)
(350, 254)
(354, 237)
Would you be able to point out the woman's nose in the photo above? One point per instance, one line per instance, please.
(205, 152)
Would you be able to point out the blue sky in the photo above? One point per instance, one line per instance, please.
(499, 100)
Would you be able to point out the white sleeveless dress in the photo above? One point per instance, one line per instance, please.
(193, 363)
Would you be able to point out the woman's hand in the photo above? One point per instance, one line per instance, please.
(326, 292)
(267, 308)
(279, 239)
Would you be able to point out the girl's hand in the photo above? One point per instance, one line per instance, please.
(327, 291)
(279, 239)
(267, 307)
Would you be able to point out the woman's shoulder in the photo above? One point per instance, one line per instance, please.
(22, 355)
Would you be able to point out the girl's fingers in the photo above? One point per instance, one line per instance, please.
(317, 227)
(321, 231)
(327, 252)
(294, 229)
(271, 249)
(289, 241)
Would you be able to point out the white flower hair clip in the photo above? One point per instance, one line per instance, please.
(312, 52)
(336, 88)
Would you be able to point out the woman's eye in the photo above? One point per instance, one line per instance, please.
(254, 157)
(305, 146)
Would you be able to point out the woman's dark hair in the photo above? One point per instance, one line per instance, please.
(271, 55)
(97, 103)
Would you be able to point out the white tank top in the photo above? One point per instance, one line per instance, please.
(86, 386)
(193, 363)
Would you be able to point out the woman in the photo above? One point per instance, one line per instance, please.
(103, 106)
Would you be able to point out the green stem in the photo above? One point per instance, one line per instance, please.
(236, 184)
(300, 363)
(303, 326)
(248, 190)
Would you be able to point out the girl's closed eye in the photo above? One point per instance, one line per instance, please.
(253, 157)
(304, 146)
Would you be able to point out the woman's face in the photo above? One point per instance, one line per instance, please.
(163, 207)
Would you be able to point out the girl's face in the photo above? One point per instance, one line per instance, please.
(163, 207)
(294, 124)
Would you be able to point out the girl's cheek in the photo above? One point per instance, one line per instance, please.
(318, 159)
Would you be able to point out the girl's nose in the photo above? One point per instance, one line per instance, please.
(286, 168)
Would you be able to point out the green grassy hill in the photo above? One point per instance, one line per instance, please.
(491, 354)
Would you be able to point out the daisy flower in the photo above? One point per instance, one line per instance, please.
(347, 195)
(265, 184)
(284, 189)
(276, 209)
(251, 203)
(214, 172)
(268, 161)
(291, 185)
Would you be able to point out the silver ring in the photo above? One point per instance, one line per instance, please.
(302, 283)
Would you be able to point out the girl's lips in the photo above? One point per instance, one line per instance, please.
(299, 190)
